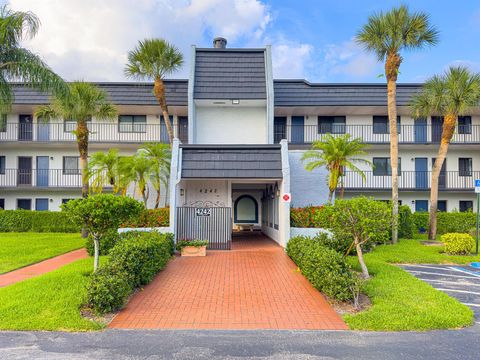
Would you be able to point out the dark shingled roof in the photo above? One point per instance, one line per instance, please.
(303, 93)
(119, 93)
(230, 74)
(231, 161)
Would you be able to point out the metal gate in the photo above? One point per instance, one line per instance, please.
(213, 224)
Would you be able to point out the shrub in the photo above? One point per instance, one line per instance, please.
(458, 244)
(149, 218)
(340, 245)
(326, 269)
(197, 243)
(141, 255)
(308, 217)
(134, 260)
(108, 289)
(36, 221)
(106, 244)
(101, 214)
(405, 222)
(447, 222)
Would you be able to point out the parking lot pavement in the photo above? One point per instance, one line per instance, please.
(460, 282)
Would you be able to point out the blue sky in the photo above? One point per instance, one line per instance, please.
(89, 39)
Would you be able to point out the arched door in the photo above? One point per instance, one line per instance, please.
(246, 210)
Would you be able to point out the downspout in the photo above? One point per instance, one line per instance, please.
(270, 93)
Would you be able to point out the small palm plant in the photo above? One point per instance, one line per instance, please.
(387, 35)
(160, 155)
(103, 170)
(336, 153)
(454, 93)
(82, 102)
(153, 59)
(141, 169)
(20, 64)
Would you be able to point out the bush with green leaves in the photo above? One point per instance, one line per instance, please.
(309, 217)
(133, 261)
(101, 214)
(406, 226)
(340, 245)
(149, 218)
(362, 221)
(458, 244)
(325, 268)
(142, 255)
(447, 222)
(108, 289)
(196, 243)
(36, 221)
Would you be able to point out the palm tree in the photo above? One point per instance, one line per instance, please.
(454, 93)
(387, 35)
(336, 153)
(103, 170)
(153, 59)
(141, 169)
(160, 155)
(20, 64)
(82, 102)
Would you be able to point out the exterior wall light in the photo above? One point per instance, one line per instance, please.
(235, 102)
(277, 190)
(182, 192)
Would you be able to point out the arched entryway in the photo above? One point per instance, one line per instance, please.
(245, 210)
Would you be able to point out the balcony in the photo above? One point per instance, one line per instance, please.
(99, 132)
(411, 181)
(41, 179)
(419, 133)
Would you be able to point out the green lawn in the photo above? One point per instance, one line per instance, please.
(21, 249)
(402, 302)
(48, 302)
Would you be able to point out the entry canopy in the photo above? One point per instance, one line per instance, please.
(231, 162)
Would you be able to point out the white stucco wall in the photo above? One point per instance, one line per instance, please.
(231, 125)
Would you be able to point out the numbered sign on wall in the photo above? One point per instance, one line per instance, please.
(203, 211)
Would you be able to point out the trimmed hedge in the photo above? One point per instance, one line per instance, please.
(308, 217)
(458, 244)
(406, 226)
(447, 222)
(150, 218)
(36, 221)
(134, 261)
(325, 268)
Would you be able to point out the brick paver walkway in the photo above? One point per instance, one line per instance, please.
(42, 267)
(253, 286)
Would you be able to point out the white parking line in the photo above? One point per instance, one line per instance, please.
(474, 305)
(448, 275)
(460, 283)
(473, 273)
(459, 291)
(427, 267)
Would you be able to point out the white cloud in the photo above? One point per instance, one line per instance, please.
(89, 39)
(290, 60)
(471, 65)
(348, 58)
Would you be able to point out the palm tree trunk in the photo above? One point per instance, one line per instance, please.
(157, 200)
(447, 133)
(330, 196)
(82, 142)
(392, 65)
(159, 91)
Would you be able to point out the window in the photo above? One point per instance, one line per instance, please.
(382, 167)
(41, 204)
(465, 166)
(442, 205)
(381, 126)
(3, 122)
(71, 125)
(466, 205)
(2, 204)
(421, 205)
(331, 124)
(2, 165)
(132, 123)
(464, 124)
(24, 204)
(70, 165)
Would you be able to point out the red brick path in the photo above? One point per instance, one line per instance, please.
(253, 286)
(42, 267)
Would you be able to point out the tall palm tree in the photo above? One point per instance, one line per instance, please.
(20, 64)
(103, 170)
(387, 35)
(160, 155)
(153, 59)
(452, 94)
(82, 102)
(336, 153)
